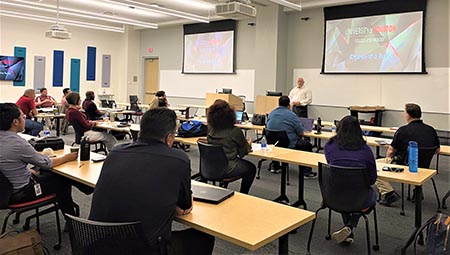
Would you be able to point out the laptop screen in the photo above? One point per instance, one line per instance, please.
(307, 124)
(239, 115)
(192, 111)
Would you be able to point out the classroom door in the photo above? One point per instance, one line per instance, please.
(151, 78)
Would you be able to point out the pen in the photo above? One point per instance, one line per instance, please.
(276, 143)
(82, 164)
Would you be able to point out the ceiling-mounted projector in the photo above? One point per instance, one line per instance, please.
(236, 10)
(58, 31)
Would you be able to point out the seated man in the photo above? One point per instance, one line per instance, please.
(44, 100)
(282, 118)
(415, 130)
(27, 106)
(65, 106)
(15, 155)
(90, 108)
(155, 188)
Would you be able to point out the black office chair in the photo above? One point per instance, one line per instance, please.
(79, 133)
(425, 156)
(444, 205)
(104, 103)
(133, 107)
(49, 200)
(272, 137)
(345, 190)
(214, 164)
(91, 237)
(134, 133)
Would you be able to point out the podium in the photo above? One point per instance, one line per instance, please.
(265, 104)
(236, 102)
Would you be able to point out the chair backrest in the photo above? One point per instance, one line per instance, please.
(104, 102)
(134, 106)
(213, 161)
(92, 237)
(111, 103)
(79, 132)
(274, 136)
(425, 156)
(344, 189)
(6, 190)
(133, 99)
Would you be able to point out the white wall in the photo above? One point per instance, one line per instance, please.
(30, 34)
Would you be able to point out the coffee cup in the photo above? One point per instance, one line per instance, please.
(74, 149)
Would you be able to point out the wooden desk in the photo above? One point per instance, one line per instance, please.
(112, 126)
(247, 221)
(244, 220)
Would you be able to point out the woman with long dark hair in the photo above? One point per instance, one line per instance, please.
(348, 149)
(221, 131)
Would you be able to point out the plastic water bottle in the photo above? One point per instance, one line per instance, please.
(413, 156)
(46, 131)
(333, 129)
(264, 144)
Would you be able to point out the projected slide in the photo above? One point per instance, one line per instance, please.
(209, 52)
(11, 68)
(376, 44)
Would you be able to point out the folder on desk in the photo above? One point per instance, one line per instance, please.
(210, 194)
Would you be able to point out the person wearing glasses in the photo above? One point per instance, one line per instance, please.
(349, 149)
(149, 181)
(16, 154)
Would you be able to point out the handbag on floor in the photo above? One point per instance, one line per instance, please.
(21, 243)
(437, 235)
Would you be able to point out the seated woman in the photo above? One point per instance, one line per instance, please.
(348, 149)
(73, 115)
(221, 131)
(158, 102)
(90, 108)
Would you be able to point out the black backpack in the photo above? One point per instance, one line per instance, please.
(437, 235)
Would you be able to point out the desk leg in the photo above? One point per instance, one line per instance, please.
(58, 125)
(417, 219)
(378, 152)
(301, 185)
(283, 197)
(283, 245)
(319, 145)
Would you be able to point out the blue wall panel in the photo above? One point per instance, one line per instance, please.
(75, 75)
(90, 64)
(58, 68)
(21, 52)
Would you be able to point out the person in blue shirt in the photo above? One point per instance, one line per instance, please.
(283, 119)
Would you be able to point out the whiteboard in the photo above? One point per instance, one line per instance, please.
(430, 91)
(176, 84)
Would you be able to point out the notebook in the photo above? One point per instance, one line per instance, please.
(307, 124)
(210, 194)
(239, 115)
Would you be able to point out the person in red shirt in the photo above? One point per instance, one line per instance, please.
(74, 116)
(44, 100)
(26, 104)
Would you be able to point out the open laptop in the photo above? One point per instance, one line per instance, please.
(307, 123)
(239, 116)
(210, 194)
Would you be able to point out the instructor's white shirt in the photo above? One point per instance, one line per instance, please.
(303, 95)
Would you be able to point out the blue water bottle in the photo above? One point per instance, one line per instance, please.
(413, 156)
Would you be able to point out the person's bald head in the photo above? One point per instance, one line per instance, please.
(300, 82)
(30, 93)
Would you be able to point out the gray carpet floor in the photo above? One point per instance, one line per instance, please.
(394, 229)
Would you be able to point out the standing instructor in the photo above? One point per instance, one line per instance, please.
(301, 97)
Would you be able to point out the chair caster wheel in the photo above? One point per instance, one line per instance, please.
(402, 213)
(258, 177)
(308, 253)
(288, 184)
(26, 227)
(376, 247)
(15, 221)
(57, 247)
(328, 237)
